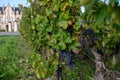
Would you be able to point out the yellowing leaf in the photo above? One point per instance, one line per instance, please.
(63, 24)
(64, 7)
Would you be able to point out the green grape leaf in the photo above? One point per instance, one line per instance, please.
(100, 18)
(63, 24)
(62, 45)
(48, 12)
(68, 40)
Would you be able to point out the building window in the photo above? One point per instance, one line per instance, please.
(12, 18)
(17, 12)
(8, 13)
(5, 19)
(0, 20)
(20, 13)
(12, 13)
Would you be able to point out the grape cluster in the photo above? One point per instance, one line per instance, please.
(67, 57)
(90, 33)
(87, 39)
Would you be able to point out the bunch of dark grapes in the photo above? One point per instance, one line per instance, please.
(87, 39)
(67, 57)
(89, 33)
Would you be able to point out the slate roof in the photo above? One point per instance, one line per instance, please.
(13, 8)
(1, 9)
(17, 9)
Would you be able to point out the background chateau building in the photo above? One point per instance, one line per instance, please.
(9, 18)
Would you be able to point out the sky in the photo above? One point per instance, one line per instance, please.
(13, 2)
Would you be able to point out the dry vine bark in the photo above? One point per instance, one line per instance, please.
(102, 73)
(100, 68)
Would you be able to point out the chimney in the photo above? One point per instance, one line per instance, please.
(3, 7)
(8, 4)
(14, 8)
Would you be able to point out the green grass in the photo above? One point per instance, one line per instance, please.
(15, 65)
(14, 59)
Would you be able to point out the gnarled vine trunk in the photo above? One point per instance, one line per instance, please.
(102, 73)
(100, 68)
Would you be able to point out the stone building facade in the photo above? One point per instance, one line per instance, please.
(9, 18)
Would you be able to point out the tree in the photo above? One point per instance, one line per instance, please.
(54, 27)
